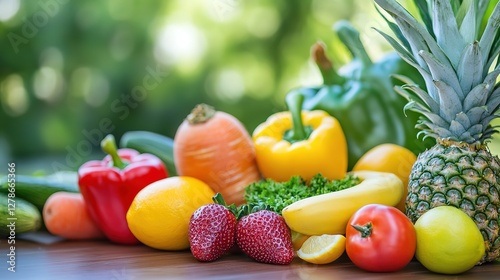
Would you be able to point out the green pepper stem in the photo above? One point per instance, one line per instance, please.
(108, 145)
(330, 77)
(365, 230)
(350, 37)
(294, 102)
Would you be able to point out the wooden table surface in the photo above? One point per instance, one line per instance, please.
(102, 260)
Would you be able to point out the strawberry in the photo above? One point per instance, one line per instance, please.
(265, 237)
(212, 229)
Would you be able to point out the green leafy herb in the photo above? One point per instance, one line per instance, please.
(278, 195)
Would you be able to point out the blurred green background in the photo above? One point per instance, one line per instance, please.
(73, 71)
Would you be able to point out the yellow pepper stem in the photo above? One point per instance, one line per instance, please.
(298, 132)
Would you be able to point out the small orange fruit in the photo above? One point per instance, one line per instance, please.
(390, 158)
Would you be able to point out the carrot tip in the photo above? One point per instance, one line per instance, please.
(200, 114)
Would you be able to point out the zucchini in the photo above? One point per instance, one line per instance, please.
(18, 215)
(151, 143)
(37, 189)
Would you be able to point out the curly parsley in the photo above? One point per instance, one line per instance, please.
(278, 195)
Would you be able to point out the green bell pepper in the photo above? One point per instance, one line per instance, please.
(363, 98)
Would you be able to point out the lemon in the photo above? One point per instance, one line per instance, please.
(448, 241)
(322, 249)
(159, 214)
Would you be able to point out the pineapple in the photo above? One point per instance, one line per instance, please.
(460, 65)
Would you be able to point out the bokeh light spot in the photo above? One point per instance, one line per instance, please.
(263, 22)
(13, 95)
(8, 9)
(179, 43)
(90, 85)
(48, 84)
(227, 85)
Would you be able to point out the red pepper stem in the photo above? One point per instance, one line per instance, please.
(108, 145)
(365, 230)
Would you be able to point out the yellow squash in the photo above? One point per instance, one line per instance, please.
(329, 213)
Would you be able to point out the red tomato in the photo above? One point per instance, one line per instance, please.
(380, 238)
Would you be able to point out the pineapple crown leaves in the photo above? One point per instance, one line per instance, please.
(455, 57)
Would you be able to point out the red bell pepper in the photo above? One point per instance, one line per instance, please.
(110, 185)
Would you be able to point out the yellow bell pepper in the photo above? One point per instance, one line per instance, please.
(302, 143)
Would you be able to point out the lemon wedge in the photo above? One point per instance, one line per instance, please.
(298, 239)
(322, 249)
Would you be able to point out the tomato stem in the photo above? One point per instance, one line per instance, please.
(365, 230)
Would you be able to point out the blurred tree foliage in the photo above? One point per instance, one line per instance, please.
(73, 71)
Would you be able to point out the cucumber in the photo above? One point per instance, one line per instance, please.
(151, 143)
(18, 215)
(37, 189)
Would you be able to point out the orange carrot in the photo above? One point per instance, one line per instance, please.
(215, 148)
(65, 214)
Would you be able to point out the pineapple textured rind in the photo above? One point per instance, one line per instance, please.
(466, 177)
(455, 57)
